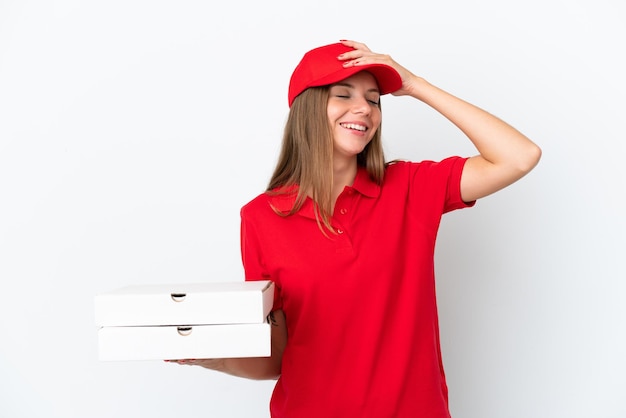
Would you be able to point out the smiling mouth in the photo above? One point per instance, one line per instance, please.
(354, 126)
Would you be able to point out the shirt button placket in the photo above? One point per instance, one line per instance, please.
(342, 214)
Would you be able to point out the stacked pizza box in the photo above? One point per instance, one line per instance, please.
(185, 321)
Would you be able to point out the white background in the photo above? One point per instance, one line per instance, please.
(131, 132)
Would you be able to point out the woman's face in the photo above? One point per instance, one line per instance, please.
(353, 113)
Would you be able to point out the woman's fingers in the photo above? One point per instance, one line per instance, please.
(355, 45)
(209, 363)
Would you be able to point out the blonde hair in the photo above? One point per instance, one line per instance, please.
(306, 156)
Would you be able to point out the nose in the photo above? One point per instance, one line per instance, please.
(361, 106)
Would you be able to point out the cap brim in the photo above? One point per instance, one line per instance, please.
(387, 77)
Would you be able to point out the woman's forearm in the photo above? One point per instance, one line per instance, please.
(505, 154)
(496, 141)
(257, 368)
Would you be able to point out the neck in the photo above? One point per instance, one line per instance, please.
(344, 172)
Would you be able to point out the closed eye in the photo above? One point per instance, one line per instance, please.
(370, 101)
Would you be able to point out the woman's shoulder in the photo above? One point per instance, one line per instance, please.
(257, 203)
(408, 165)
(396, 168)
(281, 199)
(400, 172)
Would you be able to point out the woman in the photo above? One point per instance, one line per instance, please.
(349, 241)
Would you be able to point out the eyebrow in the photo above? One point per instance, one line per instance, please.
(344, 84)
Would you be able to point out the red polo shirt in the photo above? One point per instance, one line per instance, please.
(363, 336)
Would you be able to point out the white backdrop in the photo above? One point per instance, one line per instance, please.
(131, 132)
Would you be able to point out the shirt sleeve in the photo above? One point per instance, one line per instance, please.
(454, 166)
(252, 257)
(435, 186)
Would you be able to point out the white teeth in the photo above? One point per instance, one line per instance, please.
(354, 126)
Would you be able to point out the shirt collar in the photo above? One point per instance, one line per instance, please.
(364, 184)
(284, 200)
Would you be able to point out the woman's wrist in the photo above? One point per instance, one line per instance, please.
(418, 87)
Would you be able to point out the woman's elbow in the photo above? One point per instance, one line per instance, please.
(529, 158)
